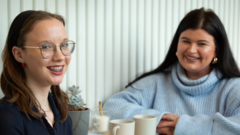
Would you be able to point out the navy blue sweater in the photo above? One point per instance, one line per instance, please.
(14, 122)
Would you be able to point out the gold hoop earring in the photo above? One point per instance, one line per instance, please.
(215, 60)
(176, 53)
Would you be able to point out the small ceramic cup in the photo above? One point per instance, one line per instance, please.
(122, 127)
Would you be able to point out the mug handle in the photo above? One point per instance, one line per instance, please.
(115, 130)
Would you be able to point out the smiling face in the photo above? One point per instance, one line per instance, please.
(196, 50)
(45, 72)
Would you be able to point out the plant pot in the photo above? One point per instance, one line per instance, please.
(80, 121)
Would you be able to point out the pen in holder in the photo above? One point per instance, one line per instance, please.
(100, 108)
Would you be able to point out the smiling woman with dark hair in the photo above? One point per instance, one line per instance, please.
(196, 90)
(35, 58)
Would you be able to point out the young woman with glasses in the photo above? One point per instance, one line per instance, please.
(35, 58)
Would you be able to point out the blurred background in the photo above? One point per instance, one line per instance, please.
(117, 40)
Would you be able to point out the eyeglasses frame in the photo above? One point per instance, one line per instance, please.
(40, 47)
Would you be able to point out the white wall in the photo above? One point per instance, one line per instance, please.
(119, 39)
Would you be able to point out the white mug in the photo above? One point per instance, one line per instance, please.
(122, 127)
(145, 124)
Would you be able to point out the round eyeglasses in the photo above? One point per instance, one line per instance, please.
(48, 50)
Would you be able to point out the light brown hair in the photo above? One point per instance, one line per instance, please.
(13, 77)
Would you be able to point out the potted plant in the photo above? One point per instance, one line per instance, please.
(77, 111)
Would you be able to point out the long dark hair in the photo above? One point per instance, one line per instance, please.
(13, 77)
(208, 21)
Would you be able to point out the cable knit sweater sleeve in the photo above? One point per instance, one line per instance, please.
(227, 123)
(134, 100)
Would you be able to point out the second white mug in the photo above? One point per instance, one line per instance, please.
(145, 124)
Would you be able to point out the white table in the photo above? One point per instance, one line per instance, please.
(89, 133)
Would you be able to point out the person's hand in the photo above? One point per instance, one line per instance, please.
(167, 124)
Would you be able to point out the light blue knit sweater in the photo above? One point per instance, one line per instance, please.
(207, 106)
